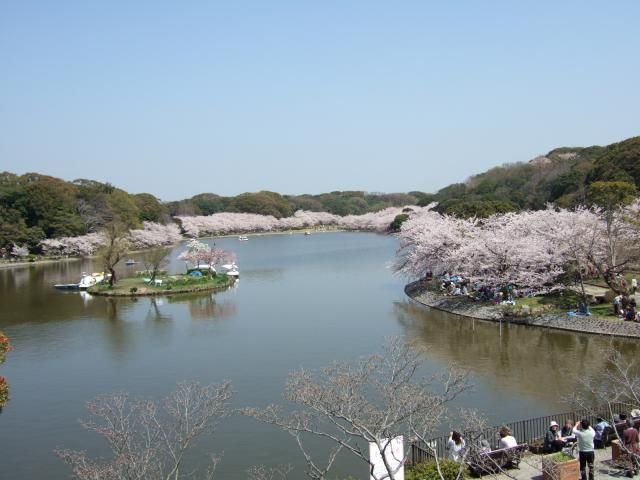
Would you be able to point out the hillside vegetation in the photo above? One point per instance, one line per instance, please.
(562, 177)
(36, 206)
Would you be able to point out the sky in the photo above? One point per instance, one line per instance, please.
(177, 98)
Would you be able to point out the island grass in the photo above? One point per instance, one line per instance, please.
(174, 284)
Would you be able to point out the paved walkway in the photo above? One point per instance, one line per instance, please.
(531, 468)
(461, 305)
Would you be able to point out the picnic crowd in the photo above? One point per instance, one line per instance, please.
(583, 436)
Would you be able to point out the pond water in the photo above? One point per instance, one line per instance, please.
(302, 301)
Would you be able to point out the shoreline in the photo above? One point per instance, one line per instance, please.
(184, 239)
(463, 307)
(144, 292)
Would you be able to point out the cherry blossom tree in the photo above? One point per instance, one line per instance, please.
(501, 249)
(19, 251)
(234, 223)
(576, 235)
(152, 235)
(620, 234)
(528, 249)
(200, 254)
(155, 235)
(82, 246)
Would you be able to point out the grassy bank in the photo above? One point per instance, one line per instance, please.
(170, 285)
(556, 303)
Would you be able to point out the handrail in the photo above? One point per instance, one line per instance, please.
(525, 431)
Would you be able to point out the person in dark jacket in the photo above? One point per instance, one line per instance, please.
(552, 440)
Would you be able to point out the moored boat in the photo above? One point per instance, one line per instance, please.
(86, 281)
(89, 280)
(230, 269)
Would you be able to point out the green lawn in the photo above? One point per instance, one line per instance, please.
(558, 302)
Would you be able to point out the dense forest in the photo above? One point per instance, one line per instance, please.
(35, 206)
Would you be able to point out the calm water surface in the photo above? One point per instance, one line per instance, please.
(301, 302)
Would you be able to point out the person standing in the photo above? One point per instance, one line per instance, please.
(584, 435)
(634, 286)
(455, 445)
(600, 427)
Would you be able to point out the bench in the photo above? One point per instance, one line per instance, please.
(491, 462)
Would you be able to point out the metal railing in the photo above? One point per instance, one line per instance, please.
(525, 431)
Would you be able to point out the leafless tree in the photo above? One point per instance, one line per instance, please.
(150, 440)
(155, 260)
(115, 248)
(374, 399)
(92, 218)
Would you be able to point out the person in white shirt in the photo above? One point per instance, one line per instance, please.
(455, 445)
(585, 435)
(506, 439)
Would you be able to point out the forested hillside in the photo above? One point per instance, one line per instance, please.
(562, 176)
(35, 206)
(270, 203)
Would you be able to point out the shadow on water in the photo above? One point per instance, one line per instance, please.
(523, 359)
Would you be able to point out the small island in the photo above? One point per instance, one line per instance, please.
(201, 277)
(164, 285)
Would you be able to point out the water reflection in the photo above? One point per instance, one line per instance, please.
(520, 359)
(156, 312)
(205, 306)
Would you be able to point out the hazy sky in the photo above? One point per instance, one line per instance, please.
(182, 97)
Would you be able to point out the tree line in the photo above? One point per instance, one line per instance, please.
(34, 207)
(563, 177)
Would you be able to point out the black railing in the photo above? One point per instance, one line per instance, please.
(525, 431)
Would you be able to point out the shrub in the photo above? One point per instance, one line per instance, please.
(429, 471)
(4, 392)
(133, 289)
(561, 457)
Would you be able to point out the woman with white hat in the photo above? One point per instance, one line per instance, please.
(552, 440)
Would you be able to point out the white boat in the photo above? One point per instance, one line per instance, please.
(243, 238)
(89, 280)
(86, 281)
(205, 266)
(130, 262)
(230, 269)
